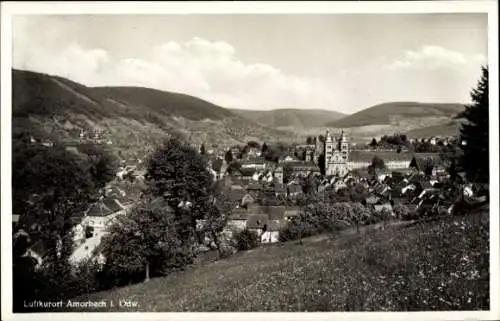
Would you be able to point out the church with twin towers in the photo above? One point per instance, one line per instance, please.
(336, 154)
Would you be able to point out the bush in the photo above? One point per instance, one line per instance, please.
(246, 240)
(297, 229)
(403, 213)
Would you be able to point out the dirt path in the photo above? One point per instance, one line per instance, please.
(354, 231)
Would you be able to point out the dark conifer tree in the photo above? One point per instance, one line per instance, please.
(474, 133)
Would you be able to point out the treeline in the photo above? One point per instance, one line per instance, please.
(399, 142)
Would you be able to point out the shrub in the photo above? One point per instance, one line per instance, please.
(402, 212)
(246, 240)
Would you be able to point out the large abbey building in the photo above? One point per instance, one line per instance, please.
(340, 159)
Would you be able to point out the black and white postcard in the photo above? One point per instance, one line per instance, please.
(173, 157)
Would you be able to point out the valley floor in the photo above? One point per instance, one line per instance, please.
(440, 265)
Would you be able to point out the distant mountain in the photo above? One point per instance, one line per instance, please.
(136, 118)
(420, 119)
(291, 118)
(397, 112)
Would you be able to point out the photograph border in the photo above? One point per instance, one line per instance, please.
(10, 9)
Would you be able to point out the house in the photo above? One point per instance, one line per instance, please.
(372, 200)
(294, 190)
(258, 163)
(86, 250)
(38, 252)
(392, 160)
(98, 218)
(288, 159)
(237, 220)
(271, 234)
(304, 168)
(338, 185)
(382, 173)
(280, 190)
(257, 223)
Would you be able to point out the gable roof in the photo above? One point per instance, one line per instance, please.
(247, 172)
(274, 225)
(99, 210)
(255, 186)
(257, 220)
(367, 156)
(275, 212)
(238, 214)
(112, 205)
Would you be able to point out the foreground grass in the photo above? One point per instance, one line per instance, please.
(441, 265)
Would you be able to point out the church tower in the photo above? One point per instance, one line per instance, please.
(336, 154)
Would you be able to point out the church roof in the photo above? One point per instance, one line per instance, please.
(367, 156)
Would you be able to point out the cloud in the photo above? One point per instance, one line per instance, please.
(207, 69)
(433, 57)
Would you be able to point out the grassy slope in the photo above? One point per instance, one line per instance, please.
(439, 265)
(451, 128)
(136, 117)
(390, 113)
(291, 118)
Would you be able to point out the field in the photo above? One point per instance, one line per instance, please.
(440, 265)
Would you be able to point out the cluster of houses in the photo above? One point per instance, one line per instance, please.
(253, 179)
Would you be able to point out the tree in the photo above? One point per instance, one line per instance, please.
(253, 144)
(377, 163)
(103, 164)
(179, 174)
(264, 149)
(358, 193)
(202, 149)
(309, 140)
(246, 240)
(474, 133)
(287, 173)
(146, 240)
(373, 143)
(217, 216)
(228, 157)
(243, 152)
(428, 166)
(50, 186)
(322, 164)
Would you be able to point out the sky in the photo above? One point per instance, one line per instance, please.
(340, 62)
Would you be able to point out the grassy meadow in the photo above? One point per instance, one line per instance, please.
(440, 265)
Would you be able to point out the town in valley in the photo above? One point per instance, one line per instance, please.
(250, 163)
